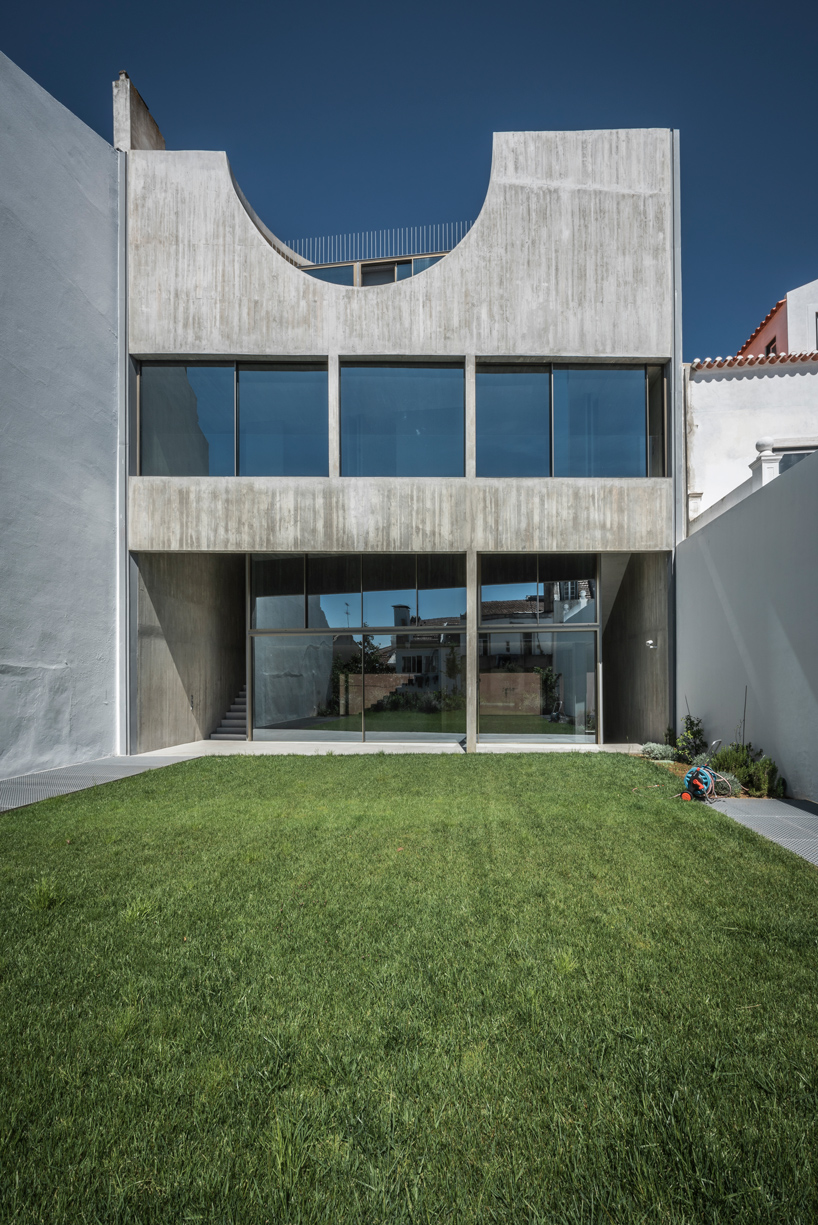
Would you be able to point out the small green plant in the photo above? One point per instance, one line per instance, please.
(728, 784)
(756, 773)
(691, 742)
(658, 752)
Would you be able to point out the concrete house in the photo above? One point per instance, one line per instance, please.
(425, 487)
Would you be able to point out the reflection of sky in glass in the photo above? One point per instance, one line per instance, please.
(442, 602)
(378, 605)
(213, 387)
(340, 609)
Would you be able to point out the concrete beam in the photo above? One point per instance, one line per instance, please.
(382, 515)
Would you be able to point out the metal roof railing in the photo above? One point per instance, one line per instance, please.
(381, 244)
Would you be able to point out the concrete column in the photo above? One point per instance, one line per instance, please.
(334, 376)
(471, 418)
(472, 606)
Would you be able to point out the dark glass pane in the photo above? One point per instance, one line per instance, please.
(402, 421)
(509, 591)
(790, 458)
(424, 262)
(599, 422)
(187, 420)
(538, 684)
(415, 685)
(389, 589)
(340, 274)
(333, 590)
(283, 422)
(513, 421)
(568, 588)
(404, 270)
(277, 591)
(656, 421)
(377, 274)
(442, 588)
(306, 686)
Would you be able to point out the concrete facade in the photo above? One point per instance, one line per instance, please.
(747, 590)
(60, 695)
(571, 256)
(382, 515)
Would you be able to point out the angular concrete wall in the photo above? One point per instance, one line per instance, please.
(747, 594)
(571, 256)
(190, 645)
(58, 425)
(635, 677)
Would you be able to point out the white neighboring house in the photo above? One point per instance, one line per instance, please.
(752, 416)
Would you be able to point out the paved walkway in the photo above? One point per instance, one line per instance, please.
(791, 823)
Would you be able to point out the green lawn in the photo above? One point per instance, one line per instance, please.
(445, 988)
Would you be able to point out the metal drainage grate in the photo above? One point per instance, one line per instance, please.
(45, 784)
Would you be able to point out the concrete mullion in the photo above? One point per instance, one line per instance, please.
(471, 417)
(472, 676)
(334, 405)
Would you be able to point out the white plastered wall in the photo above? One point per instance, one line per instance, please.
(729, 410)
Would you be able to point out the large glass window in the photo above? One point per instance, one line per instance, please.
(538, 589)
(283, 421)
(513, 420)
(402, 420)
(538, 684)
(407, 679)
(414, 684)
(307, 685)
(600, 421)
(187, 417)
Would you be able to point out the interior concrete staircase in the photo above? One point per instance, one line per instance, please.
(234, 724)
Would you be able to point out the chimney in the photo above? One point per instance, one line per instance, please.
(134, 126)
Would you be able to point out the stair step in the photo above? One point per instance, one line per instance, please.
(226, 736)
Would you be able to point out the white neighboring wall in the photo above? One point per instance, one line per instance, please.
(729, 409)
(802, 318)
(58, 423)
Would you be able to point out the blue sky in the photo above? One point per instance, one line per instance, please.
(364, 116)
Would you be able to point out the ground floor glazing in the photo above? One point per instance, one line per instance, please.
(553, 648)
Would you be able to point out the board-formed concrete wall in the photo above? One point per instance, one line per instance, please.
(747, 594)
(635, 676)
(571, 256)
(190, 645)
(58, 432)
(404, 515)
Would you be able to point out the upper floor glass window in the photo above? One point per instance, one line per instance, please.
(600, 421)
(223, 420)
(513, 405)
(283, 421)
(187, 416)
(402, 420)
